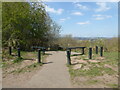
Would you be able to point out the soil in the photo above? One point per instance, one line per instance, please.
(105, 81)
(53, 74)
(101, 81)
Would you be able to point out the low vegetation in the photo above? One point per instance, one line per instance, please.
(109, 44)
(100, 72)
(26, 63)
(28, 68)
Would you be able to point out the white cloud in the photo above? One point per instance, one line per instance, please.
(77, 13)
(107, 16)
(98, 15)
(80, 6)
(102, 7)
(64, 19)
(113, 0)
(101, 17)
(83, 23)
(52, 10)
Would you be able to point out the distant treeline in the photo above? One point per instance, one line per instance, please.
(110, 44)
(27, 24)
(92, 38)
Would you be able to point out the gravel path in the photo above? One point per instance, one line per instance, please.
(54, 74)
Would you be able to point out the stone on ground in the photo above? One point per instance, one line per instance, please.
(94, 61)
(78, 66)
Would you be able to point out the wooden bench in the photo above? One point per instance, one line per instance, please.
(69, 48)
(38, 47)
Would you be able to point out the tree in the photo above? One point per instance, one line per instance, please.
(68, 41)
(27, 24)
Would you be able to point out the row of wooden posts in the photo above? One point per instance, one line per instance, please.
(18, 50)
(89, 53)
(19, 54)
(68, 53)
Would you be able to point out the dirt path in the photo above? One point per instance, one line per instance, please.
(54, 73)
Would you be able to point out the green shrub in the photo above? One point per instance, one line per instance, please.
(17, 60)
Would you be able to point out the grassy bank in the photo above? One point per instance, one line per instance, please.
(98, 72)
(11, 64)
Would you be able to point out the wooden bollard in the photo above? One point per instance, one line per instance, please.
(90, 53)
(10, 51)
(70, 51)
(83, 51)
(101, 51)
(96, 49)
(39, 56)
(68, 57)
(19, 52)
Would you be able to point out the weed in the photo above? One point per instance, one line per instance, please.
(109, 71)
(92, 81)
(27, 68)
(113, 85)
(93, 71)
(19, 59)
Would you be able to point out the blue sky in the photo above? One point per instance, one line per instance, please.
(85, 19)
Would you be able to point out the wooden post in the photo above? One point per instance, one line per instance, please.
(10, 51)
(90, 53)
(68, 57)
(83, 51)
(19, 52)
(39, 56)
(96, 49)
(101, 51)
(70, 51)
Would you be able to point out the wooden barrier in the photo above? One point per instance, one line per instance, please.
(41, 48)
(96, 49)
(19, 52)
(39, 56)
(10, 51)
(68, 57)
(101, 51)
(90, 53)
(76, 48)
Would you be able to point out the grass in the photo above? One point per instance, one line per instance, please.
(92, 82)
(33, 55)
(13, 64)
(29, 55)
(10, 63)
(112, 85)
(17, 60)
(27, 68)
(92, 72)
(110, 58)
(8, 59)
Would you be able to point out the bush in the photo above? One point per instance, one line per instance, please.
(19, 59)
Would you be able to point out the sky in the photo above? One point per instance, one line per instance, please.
(85, 19)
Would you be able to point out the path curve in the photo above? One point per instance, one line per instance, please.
(53, 75)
